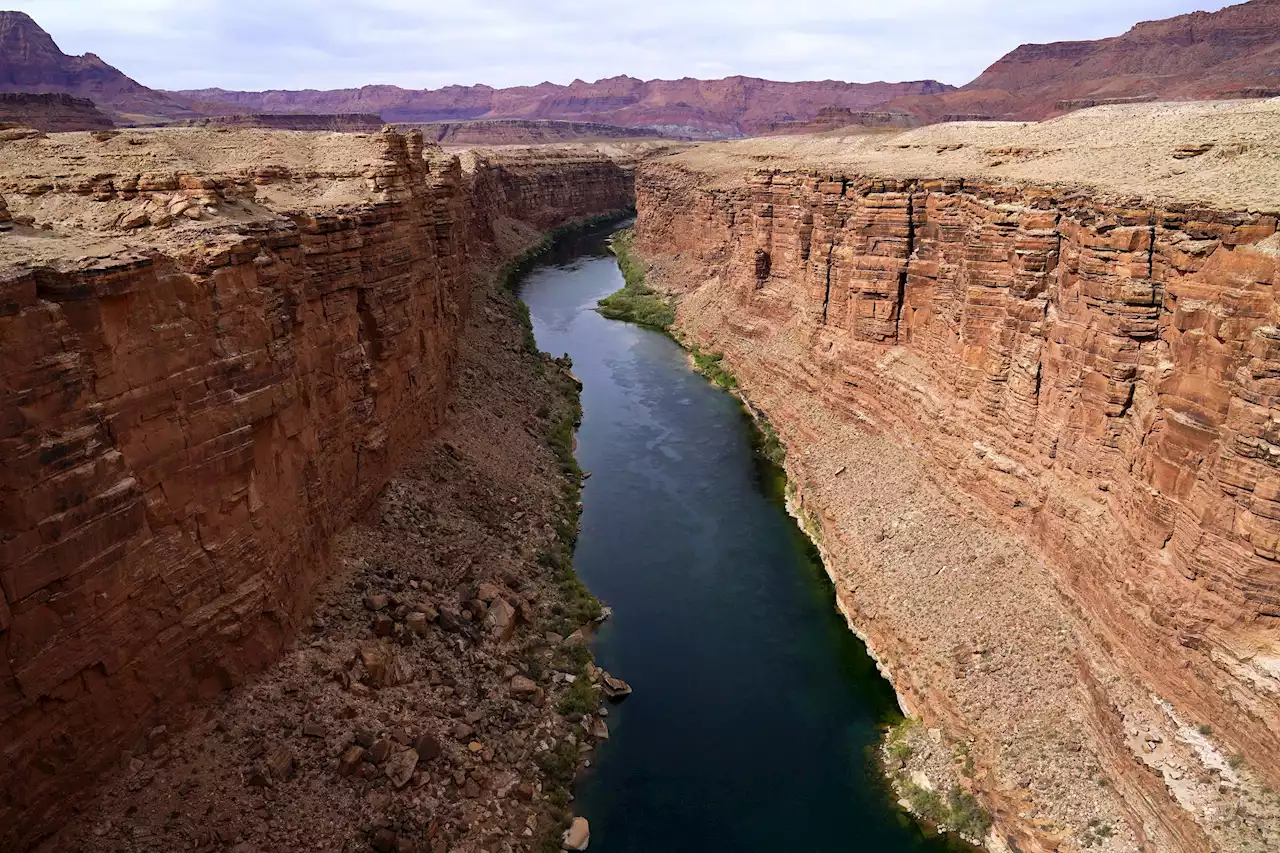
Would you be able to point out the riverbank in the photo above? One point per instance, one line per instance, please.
(437, 702)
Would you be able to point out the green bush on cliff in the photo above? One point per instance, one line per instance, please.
(711, 366)
(636, 302)
(967, 816)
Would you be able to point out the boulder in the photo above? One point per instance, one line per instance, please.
(523, 686)
(577, 836)
(614, 688)
(351, 760)
(501, 619)
(401, 766)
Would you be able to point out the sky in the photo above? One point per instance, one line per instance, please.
(324, 44)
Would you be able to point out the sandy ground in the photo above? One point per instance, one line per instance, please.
(1126, 152)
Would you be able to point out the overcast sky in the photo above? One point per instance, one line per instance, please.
(321, 44)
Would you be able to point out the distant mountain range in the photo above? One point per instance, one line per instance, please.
(1232, 53)
(1227, 54)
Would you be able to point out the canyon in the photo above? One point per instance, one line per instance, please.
(219, 346)
(1025, 377)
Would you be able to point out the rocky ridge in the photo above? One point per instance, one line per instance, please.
(30, 62)
(1230, 53)
(733, 106)
(220, 346)
(966, 353)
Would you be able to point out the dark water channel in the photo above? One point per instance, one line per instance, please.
(754, 706)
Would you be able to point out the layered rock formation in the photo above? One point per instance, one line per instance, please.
(834, 118)
(51, 112)
(527, 132)
(349, 122)
(1203, 55)
(733, 106)
(209, 367)
(1096, 370)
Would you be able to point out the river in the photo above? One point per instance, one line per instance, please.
(755, 709)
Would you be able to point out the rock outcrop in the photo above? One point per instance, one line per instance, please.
(1096, 371)
(51, 112)
(192, 404)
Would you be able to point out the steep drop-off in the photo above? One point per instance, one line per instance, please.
(208, 368)
(961, 362)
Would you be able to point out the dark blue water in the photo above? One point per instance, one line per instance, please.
(754, 707)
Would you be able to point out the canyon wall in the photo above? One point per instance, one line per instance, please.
(51, 112)
(348, 122)
(1099, 374)
(187, 420)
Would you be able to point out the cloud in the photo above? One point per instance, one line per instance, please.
(294, 44)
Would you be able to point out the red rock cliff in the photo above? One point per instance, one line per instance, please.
(1099, 373)
(186, 421)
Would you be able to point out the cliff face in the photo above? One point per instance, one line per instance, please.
(342, 122)
(1100, 377)
(527, 132)
(51, 112)
(187, 419)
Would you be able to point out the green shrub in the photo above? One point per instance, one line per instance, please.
(579, 700)
(966, 815)
(636, 302)
(711, 366)
(925, 803)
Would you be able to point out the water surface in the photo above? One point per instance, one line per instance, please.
(754, 706)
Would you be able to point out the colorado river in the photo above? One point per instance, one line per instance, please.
(754, 706)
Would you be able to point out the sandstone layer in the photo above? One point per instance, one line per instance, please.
(352, 122)
(217, 349)
(730, 107)
(51, 112)
(1026, 378)
(527, 132)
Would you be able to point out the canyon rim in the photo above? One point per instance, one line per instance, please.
(288, 494)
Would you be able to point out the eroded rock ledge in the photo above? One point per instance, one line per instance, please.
(217, 348)
(964, 364)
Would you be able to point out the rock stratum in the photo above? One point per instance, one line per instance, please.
(218, 348)
(734, 106)
(527, 132)
(338, 122)
(1026, 377)
(51, 112)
